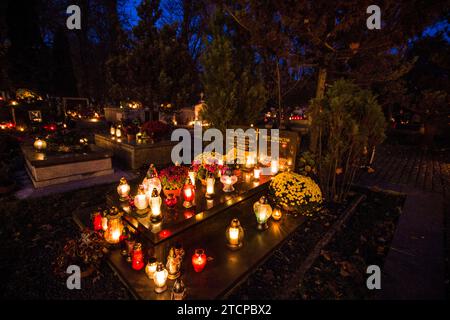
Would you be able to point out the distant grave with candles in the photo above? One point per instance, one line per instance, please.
(50, 168)
(135, 154)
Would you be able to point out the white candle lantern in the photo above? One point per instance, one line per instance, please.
(250, 161)
(210, 181)
(234, 235)
(152, 181)
(141, 201)
(119, 131)
(123, 189)
(256, 173)
(228, 182)
(160, 278)
(155, 206)
(150, 268)
(274, 166)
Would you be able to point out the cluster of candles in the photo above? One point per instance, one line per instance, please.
(263, 211)
(116, 133)
(148, 197)
(252, 162)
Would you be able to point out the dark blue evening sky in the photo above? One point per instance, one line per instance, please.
(130, 10)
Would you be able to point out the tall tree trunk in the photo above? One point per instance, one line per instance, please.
(280, 111)
(320, 92)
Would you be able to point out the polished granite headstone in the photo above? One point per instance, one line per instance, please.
(226, 269)
(178, 219)
(202, 227)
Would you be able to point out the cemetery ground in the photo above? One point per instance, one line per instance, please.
(35, 230)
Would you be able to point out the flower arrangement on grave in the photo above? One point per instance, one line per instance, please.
(66, 141)
(173, 178)
(155, 129)
(204, 169)
(294, 192)
(207, 164)
(131, 129)
(87, 252)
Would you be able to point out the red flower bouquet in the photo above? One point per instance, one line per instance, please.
(155, 129)
(173, 177)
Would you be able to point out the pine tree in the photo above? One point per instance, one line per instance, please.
(219, 81)
(144, 62)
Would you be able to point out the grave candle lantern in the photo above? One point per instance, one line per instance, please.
(256, 173)
(173, 264)
(228, 180)
(178, 290)
(160, 278)
(123, 189)
(234, 235)
(152, 181)
(250, 161)
(210, 181)
(276, 214)
(150, 268)
(112, 131)
(140, 200)
(263, 211)
(115, 226)
(97, 221)
(40, 145)
(199, 260)
(155, 205)
(274, 167)
(170, 201)
(118, 132)
(138, 257)
(188, 194)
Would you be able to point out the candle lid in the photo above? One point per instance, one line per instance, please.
(114, 213)
(159, 267)
(235, 223)
(199, 251)
(263, 200)
(151, 172)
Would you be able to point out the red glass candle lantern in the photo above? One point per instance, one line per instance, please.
(170, 201)
(188, 194)
(97, 221)
(199, 260)
(138, 257)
